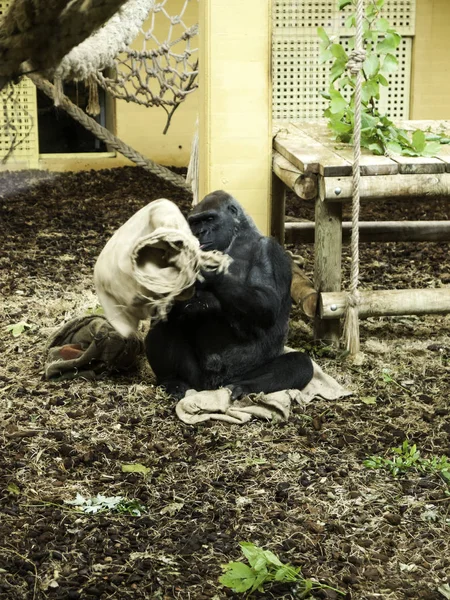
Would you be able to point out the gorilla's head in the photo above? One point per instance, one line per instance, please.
(217, 220)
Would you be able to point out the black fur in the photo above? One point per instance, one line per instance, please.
(232, 331)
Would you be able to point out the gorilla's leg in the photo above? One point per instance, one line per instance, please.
(293, 370)
(172, 359)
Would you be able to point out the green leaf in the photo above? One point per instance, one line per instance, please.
(444, 590)
(431, 149)
(135, 468)
(13, 489)
(371, 65)
(344, 3)
(382, 25)
(18, 328)
(350, 21)
(253, 554)
(338, 102)
(389, 44)
(338, 52)
(390, 64)
(323, 35)
(369, 399)
(238, 577)
(337, 68)
(370, 89)
(394, 147)
(272, 559)
(382, 80)
(325, 56)
(418, 141)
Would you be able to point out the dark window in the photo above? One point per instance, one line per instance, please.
(58, 132)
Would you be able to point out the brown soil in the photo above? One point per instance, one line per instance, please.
(299, 489)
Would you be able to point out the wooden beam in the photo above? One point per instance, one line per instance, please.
(339, 189)
(374, 231)
(381, 303)
(304, 185)
(303, 292)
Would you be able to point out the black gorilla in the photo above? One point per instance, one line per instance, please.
(232, 331)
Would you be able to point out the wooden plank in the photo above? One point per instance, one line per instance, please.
(371, 164)
(418, 165)
(374, 231)
(327, 263)
(305, 186)
(339, 189)
(309, 155)
(388, 302)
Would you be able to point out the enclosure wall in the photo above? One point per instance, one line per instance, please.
(430, 89)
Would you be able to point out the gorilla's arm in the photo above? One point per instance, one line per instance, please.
(256, 283)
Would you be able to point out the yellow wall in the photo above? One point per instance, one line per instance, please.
(235, 145)
(430, 85)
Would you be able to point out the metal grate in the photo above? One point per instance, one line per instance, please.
(298, 78)
(19, 107)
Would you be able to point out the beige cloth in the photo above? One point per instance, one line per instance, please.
(217, 405)
(151, 261)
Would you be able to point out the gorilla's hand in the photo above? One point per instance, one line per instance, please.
(201, 303)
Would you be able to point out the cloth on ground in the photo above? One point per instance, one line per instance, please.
(88, 347)
(151, 261)
(197, 407)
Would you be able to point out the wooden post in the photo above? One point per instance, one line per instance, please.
(235, 129)
(327, 263)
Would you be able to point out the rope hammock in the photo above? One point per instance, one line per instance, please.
(53, 38)
(355, 66)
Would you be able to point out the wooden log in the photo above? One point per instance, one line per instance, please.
(388, 303)
(278, 209)
(327, 263)
(303, 292)
(374, 231)
(339, 189)
(304, 185)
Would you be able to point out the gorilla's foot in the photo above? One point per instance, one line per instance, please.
(175, 388)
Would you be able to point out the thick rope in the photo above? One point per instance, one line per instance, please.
(106, 136)
(355, 65)
(42, 32)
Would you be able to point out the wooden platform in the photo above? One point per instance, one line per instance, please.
(308, 160)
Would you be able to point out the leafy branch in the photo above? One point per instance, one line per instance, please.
(379, 134)
(265, 567)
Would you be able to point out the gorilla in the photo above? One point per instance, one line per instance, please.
(231, 333)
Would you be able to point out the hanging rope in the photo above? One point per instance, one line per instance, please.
(106, 136)
(355, 65)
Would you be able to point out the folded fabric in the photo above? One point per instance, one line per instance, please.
(151, 261)
(88, 347)
(197, 407)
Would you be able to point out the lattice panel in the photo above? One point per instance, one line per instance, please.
(298, 78)
(21, 106)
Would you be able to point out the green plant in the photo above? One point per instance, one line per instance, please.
(378, 133)
(408, 458)
(16, 329)
(265, 568)
(102, 503)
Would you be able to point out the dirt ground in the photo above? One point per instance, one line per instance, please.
(299, 489)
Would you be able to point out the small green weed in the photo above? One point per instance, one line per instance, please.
(265, 568)
(408, 458)
(16, 329)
